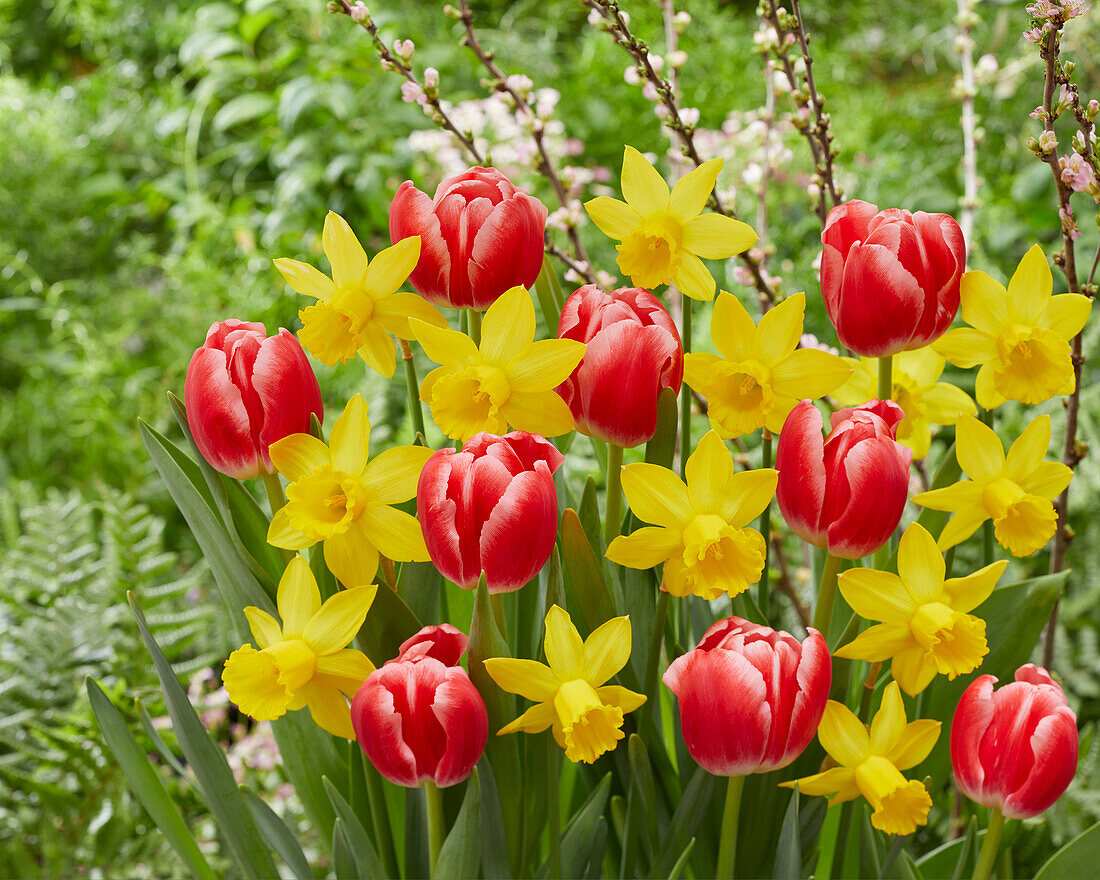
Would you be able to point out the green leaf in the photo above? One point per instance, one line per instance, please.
(661, 449)
(947, 473)
(419, 584)
(363, 853)
(693, 808)
(460, 855)
(579, 835)
(1078, 858)
(678, 868)
(642, 773)
(308, 753)
(278, 835)
(788, 854)
(212, 773)
(343, 863)
(584, 573)
(494, 851)
(146, 783)
(243, 108)
(389, 623)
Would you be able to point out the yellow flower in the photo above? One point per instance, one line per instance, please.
(570, 696)
(1014, 490)
(357, 308)
(509, 380)
(761, 373)
(336, 496)
(917, 390)
(1019, 336)
(925, 625)
(306, 661)
(871, 763)
(664, 234)
(700, 534)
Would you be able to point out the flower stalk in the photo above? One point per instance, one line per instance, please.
(731, 813)
(988, 854)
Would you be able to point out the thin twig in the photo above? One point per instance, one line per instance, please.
(786, 584)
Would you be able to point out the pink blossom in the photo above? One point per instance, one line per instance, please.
(1078, 174)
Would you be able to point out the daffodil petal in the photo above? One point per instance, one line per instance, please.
(842, 734)
(534, 720)
(251, 680)
(613, 218)
(509, 325)
(944, 403)
(298, 597)
(390, 267)
(346, 668)
(876, 595)
(837, 781)
(717, 237)
(915, 743)
(391, 477)
(645, 548)
(809, 373)
(1030, 287)
(606, 650)
(1029, 448)
(539, 412)
(690, 192)
(643, 187)
(985, 387)
(984, 302)
(967, 593)
(350, 438)
(708, 471)
(656, 495)
(265, 628)
(694, 279)
(780, 329)
(396, 534)
(732, 328)
(620, 697)
(562, 644)
(352, 557)
(911, 670)
(339, 619)
(876, 644)
(978, 449)
(698, 369)
(345, 254)
(962, 525)
(889, 722)
(443, 345)
(305, 279)
(1065, 314)
(298, 455)
(394, 311)
(329, 709)
(377, 350)
(953, 497)
(966, 347)
(920, 564)
(544, 365)
(281, 534)
(528, 678)
(748, 493)
(1047, 480)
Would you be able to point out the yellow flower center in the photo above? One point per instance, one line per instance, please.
(468, 400)
(1035, 364)
(740, 396)
(1022, 523)
(953, 642)
(324, 503)
(650, 254)
(900, 804)
(719, 558)
(332, 330)
(295, 661)
(589, 727)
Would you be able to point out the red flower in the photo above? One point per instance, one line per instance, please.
(1014, 748)
(846, 492)
(479, 237)
(633, 353)
(419, 717)
(491, 507)
(890, 278)
(244, 391)
(750, 698)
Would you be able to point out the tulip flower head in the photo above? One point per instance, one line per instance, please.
(490, 508)
(357, 309)
(337, 496)
(750, 698)
(1014, 748)
(419, 718)
(1019, 336)
(870, 762)
(760, 373)
(917, 390)
(700, 529)
(663, 234)
(305, 660)
(245, 390)
(820, 479)
(570, 696)
(1016, 490)
(633, 353)
(508, 380)
(480, 237)
(926, 627)
(890, 278)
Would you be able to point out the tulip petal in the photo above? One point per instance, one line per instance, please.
(350, 438)
(966, 348)
(1066, 314)
(543, 365)
(299, 455)
(530, 679)
(693, 278)
(645, 548)
(978, 449)
(352, 557)
(780, 329)
(732, 328)
(390, 267)
(393, 312)
(643, 187)
(538, 412)
(345, 254)
(656, 495)
(876, 472)
(842, 734)
(606, 650)
(717, 237)
(534, 720)
(880, 302)
(391, 476)
(281, 534)
(809, 373)
(613, 218)
(339, 619)
(920, 564)
(298, 597)
(305, 279)
(889, 722)
(461, 712)
(967, 593)
(265, 628)
(518, 536)
(914, 744)
(563, 646)
(443, 345)
(329, 709)
(509, 325)
(984, 303)
(620, 697)
(690, 192)
(396, 534)
(877, 595)
(1030, 287)
(876, 644)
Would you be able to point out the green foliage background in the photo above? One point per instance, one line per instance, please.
(157, 155)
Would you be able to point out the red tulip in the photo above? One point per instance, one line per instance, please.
(1014, 748)
(846, 492)
(890, 278)
(750, 698)
(491, 507)
(633, 353)
(479, 237)
(419, 717)
(244, 391)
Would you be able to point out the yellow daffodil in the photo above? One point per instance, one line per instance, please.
(917, 390)
(585, 715)
(337, 496)
(700, 532)
(925, 625)
(357, 309)
(1015, 491)
(760, 373)
(508, 380)
(871, 763)
(305, 661)
(1019, 336)
(664, 234)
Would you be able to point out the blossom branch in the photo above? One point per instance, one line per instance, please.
(967, 88)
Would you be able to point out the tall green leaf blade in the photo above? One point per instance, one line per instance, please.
(307, 754)
(278, 835)
(460, 855)
(788, 854)
(1078, 858)
(367, 863)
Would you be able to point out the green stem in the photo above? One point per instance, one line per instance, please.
(655, 639)
(885, 392)
(685, 392)
(413, 385)
(826, 594)
(843, 830)
(434, 801)
(614, 518)
(727, 847)
(380, 817)
(274, 487)
(766, 530)
(987, 526)
(989, 846)
(553, 771)
(474, 318)
(496, 600)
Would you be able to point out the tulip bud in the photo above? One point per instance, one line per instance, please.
(890, 278)
(633, 353)
(750, 698)
(1014, 748)
(846, 492)
(491, 507)
(479, 237)
(419, 718)
(245, 390)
